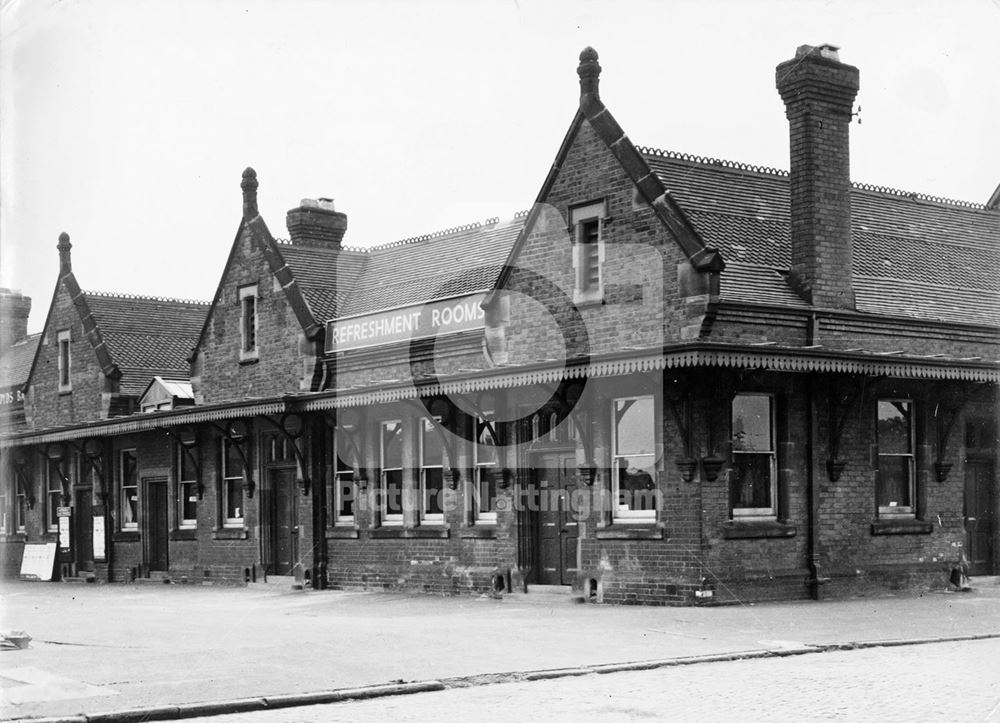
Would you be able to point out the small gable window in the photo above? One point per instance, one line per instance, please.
(248, 322)
(65, 361)
(587, 225)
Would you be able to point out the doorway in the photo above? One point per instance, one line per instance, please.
(980, 515)
(156, 533)
(284, 527)
(83, 530)
(556, 529)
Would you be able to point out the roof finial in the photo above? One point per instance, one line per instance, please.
(589, 71)
(249, 186)
(65, 263)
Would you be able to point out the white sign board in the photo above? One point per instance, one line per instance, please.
(38, 560)
(99, 553)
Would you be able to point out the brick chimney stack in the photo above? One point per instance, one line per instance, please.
(316, 223)
(819, 91)
(14, 311)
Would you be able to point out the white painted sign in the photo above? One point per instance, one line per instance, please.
(64, 538)
(99, 553)
(420, 321)
(38, 560)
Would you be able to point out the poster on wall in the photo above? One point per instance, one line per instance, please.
(38, 561)
(99, 554)
(65, 515)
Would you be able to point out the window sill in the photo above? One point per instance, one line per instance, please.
(481, 532)
(14, 537)
(342, 533)
(184, 534)
(391, 533)
(903, 526)
(125, 536)
(244, 361)
(756, 529)
(585, 302)
(230, 533)
(630, 531)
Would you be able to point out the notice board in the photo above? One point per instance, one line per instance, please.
(38, 561)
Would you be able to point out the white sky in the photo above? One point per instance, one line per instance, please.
(127, 123)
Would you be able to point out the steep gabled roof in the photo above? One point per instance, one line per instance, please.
(914, 255)
(146, 336)
(325, 276)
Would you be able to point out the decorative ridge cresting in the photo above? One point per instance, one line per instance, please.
(768, 170)
(492, 221)
(144, 297)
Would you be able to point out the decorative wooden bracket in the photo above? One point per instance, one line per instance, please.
(348, 425)
(56, 452)
(187, 440)
(92, 451)
(720, 394)
(449, 414)
(21, 462)
(946, 415)
(292, 426)
(238, 433)
(841, 404)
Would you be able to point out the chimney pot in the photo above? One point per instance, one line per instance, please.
(14, 311)
(316, 223)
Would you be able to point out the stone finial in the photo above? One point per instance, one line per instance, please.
(589, 71)
(249, 186)
(64, 246)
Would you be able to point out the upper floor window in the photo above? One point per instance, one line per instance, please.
(248, 322)
(633, 467)
(487, 463)
(753, 479)
(187, 488)
(65, 361)
(391, 491)
(586, 223)
(896, 473)
(128, 482)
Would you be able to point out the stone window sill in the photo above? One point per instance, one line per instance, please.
(396, 533)
(902, 526)
(184, 534)
(342, 533)
(756, 529)
(482, 532)
(249, 360)
(125, 536)
(230, 533)
(630, 531)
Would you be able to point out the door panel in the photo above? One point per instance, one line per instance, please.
(83, 532)
(980, 516)
(156, 534)
(557, 529)
(284, 521)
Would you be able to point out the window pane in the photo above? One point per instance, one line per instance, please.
(393, 492)
(636, 489)
(234, 465)
(750, 484)
(433, 447)
(189, 501)
(345, 495)
(634, 431)
(234, 499)
(433, 490)
(894, 481)
(752, 423)
(486, 491)
(894, 427)
(392, 445)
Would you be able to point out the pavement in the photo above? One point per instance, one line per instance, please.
(144, 652)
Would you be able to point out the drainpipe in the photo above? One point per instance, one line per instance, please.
(816, 579)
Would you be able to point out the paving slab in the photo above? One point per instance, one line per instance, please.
(180, 647)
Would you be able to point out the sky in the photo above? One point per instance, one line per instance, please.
(128, 123)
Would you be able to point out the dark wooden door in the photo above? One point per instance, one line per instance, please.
(980, 515)
(157, 532)
(284, 521)
(83, 530)
(555, 479)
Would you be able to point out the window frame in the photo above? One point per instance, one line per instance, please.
(628, 515)
(6, 518)
(586, 221)
(481, 469)
(756, 513)
(249, 323)
(909, 510)
(183, 495)
(341, 479)
(427, 427)
(387, 518)
(64, 364)
(52, 505)
(132, 525)
(20, 511)
(225, 481)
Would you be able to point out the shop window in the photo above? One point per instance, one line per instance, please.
(432, 459)
(754, 474)
(340, 493)
(232, 485)
(896, 463)
(65, 361)
(128, 484)
(634, 460)
(187, 489)
(486, 465)
(248, 322)
(588, 251)
(391, 491)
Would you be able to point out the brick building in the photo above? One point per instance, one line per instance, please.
(674, 379)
